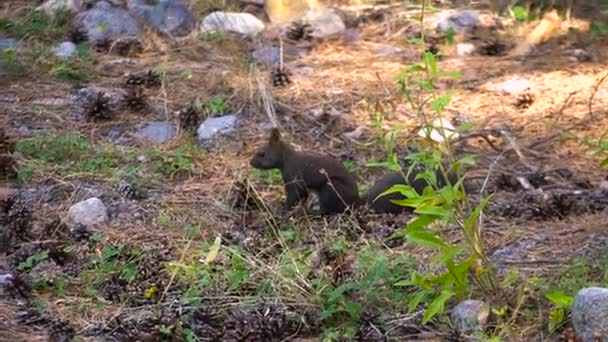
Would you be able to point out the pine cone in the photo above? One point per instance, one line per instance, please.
(17, 215)
(494, 48)
(99, 108)
(148, 79)
(280, 77)
(127, 46)
(189, 118)
(524, 100)
(8, 167)
(77, 34)
(299, 31)
(61, 332)
(136, 100)
(128, 191)
(6, 144)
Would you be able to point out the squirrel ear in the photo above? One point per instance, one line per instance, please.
(275, 135)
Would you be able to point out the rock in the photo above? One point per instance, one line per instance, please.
(470, 316)
(105, 22)
(465, 49)
(64, 50)
(388, 50)
(50, 7)
(213, 126)
(435, 134)
(257, 11)
(172, 18)
(242, 23)
(459, 21)
(590, 314)
(267, 55)
(89, 212)
(351, 36)
(157, 132)
(511, 87)
(6, 279)
(325, 23)
(7, 43)
(254, 2)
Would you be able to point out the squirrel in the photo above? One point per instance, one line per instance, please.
(335, 186)
(304, 171)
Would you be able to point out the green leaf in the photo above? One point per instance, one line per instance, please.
(604, 163)
(449, 74)
(431, 63)
(556, 317)
(520, 13)
(432, 210)
(560, 300)
(437, 306)
(438, 104)
(421, 221)
(466, 126)
(425, 239)
(31, 260)
(470, 222)
(150, 292)
(214, 250)
(416, 299)
(354, 309)
(340, 291)
(414, 68)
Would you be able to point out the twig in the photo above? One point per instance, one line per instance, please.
(517, 150)
(595, 89)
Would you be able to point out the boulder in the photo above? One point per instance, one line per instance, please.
(212, 127)
(590, 314)
(325, 23)
(105, 22)
(157, 132)
(172, 18)
(89, 212)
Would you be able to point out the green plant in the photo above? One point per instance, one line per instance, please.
(561, 303)
(114, 261)
(33, 259)
(599, 147)
(520, 13)
(437, 206)
(37, 24)
(269, 176)
(218, 106)
(10, 62)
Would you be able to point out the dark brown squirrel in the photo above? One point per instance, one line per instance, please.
(337, 189)
(302, 172)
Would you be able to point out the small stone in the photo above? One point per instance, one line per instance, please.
(242, 23)
(351, 36)
(64, 50)
(470, 316)
(459, 21)
(157, 132)
(325, 23)
(511, 87)
(590, 314)
(89, 212)
(6, 279)
(213, 126)
(267, 55)
(51, 7)
(434, 132)
(388, 50)
(465, 49)
(7, 43)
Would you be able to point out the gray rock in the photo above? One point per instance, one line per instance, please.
(470, 316)
(465, 49)
(242, 23)
(6, 279)
(172, 18)
(64, 50)
(213, 126)
(7, 43)
(157, 132)
(325, 23)
(459, 21)
(106, 22)
(351, 36)
(50, 7)
(89, 212)
(511, 87)
(254, 2)
(267, 55)
(590, 314)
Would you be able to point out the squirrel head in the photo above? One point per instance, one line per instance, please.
(272, 154)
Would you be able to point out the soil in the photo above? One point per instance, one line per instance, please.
(139, 277)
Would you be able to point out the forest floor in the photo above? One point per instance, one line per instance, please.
(155, 270)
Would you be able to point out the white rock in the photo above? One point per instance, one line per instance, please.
(64, 50)
(52, 6)
(242, 23)
(470, 316)
(211, 127)
(434, 132)
(590, 314)
(465, 49)
(325, 23)
(89, 212)
(460, 20)
(511, 87)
